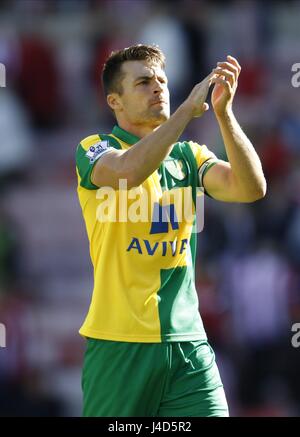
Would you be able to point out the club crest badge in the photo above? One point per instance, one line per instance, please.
(176, 168)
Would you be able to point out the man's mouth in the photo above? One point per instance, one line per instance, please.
(160, 102)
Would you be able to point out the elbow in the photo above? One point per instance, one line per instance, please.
(259, 192)
(262, 189)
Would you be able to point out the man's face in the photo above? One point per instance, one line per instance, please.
(145, 99)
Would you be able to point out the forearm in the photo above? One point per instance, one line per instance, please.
(247, 173)
(142, 159)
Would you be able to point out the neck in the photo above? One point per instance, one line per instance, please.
(137, 130)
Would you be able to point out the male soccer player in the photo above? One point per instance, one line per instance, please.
(147, 352)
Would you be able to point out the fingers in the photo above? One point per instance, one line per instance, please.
(232, 60)
(212, 76)
(230, 69)
(224, 82)
(204, 85)
(229, 75)
(208, 79)
(232, 65)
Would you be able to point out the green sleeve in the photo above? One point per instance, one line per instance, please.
(85, 168)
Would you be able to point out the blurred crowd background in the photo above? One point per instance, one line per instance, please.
(248, 272)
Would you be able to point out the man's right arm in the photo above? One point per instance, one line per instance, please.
(143, 158)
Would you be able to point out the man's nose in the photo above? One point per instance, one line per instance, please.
(158, 87)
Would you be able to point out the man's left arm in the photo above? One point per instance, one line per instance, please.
(242, 179)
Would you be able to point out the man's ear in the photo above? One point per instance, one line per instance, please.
(114, 102)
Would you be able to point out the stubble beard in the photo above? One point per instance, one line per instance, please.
(154, 117)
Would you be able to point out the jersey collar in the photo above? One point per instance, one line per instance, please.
(124, 135)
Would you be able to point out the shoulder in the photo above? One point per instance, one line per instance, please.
(99, 141)
(200, 152)
(87, 142)
(191, 148)
(95, 145)
(88, 151)
(194, 147)
(183, 146)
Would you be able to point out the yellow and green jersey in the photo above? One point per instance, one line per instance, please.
(142, 246)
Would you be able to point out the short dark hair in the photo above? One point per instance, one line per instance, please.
(111, 73)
